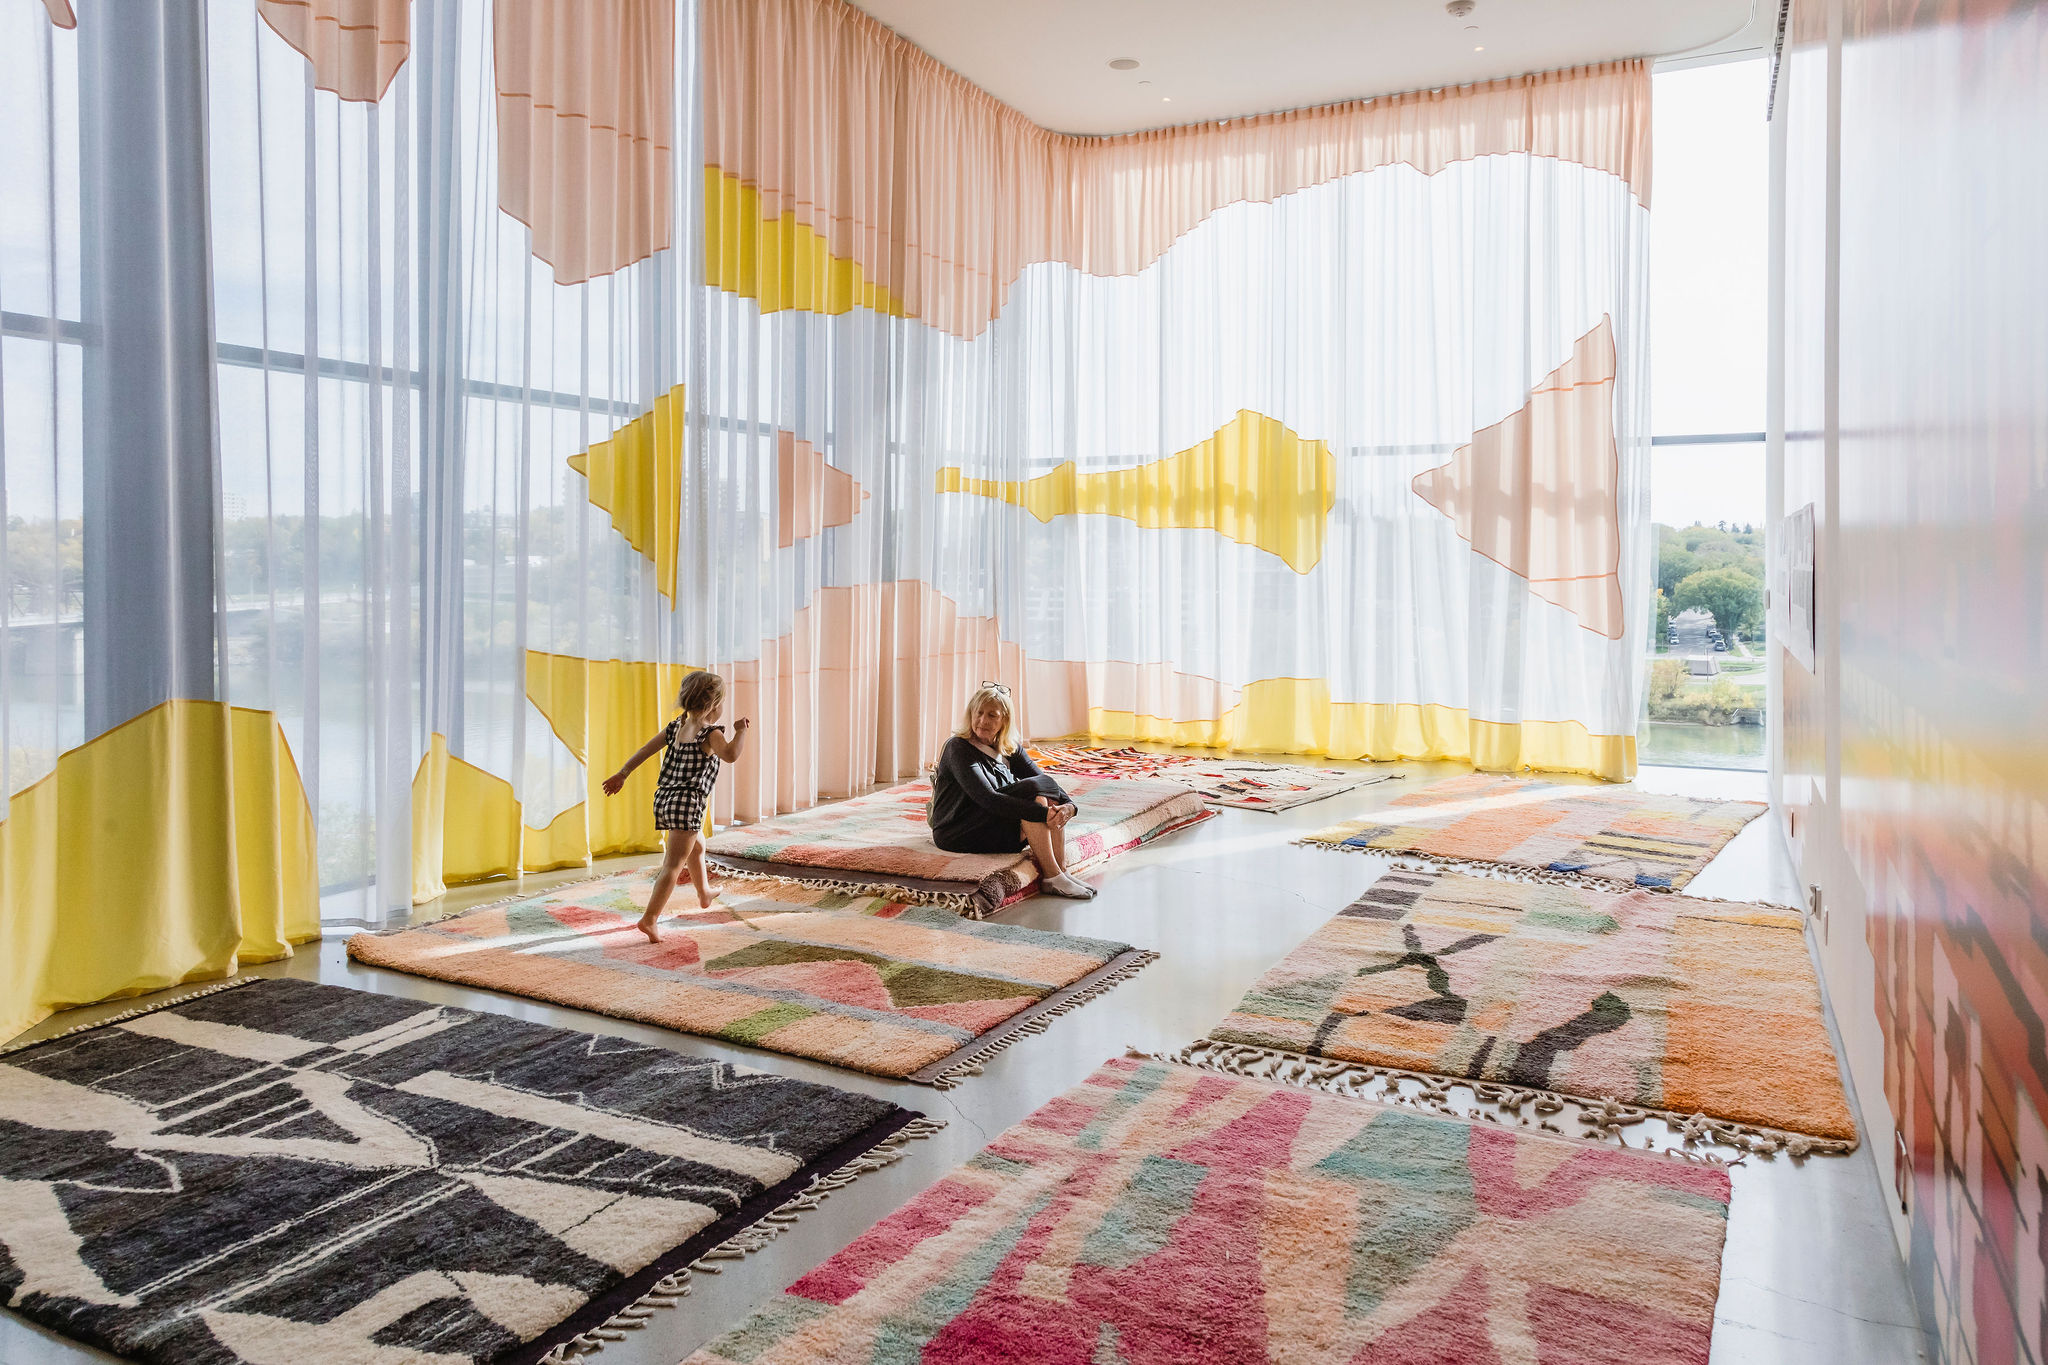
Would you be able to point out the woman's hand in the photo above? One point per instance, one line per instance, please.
(1057, 816)
(613, 783)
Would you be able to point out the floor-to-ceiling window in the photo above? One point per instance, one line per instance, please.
(1705, 703)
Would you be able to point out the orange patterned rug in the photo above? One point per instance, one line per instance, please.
(1663, 1002)
(1614, 834)
(865, 982)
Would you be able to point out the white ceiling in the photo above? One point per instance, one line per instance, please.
(1212, 59)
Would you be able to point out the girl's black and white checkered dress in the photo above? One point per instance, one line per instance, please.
(687, 772)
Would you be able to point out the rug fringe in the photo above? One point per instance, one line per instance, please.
(1409, 861)
(956, 901)
(743, 1243)
(972, 1064)
(1606, 1119)
(136, 1013)
(1405, 860)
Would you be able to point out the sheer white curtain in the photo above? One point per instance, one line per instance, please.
(359, 409)
(400, 519)
(290, 389)
(1322, 433)
(1391, 315)
(852, 623)
(1388, 314)
(42, 706)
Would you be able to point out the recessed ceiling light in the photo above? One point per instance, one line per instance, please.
(1166, 99)
(1479, 49)
(1124, 64)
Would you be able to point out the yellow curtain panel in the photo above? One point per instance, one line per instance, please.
(1296, 716)
(468, 826)
(602, 710)
(465, 824)
(168, 849)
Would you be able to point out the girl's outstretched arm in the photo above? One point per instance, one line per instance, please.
(645, 752)
(727, 750)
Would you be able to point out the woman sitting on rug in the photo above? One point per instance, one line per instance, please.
(989, 797)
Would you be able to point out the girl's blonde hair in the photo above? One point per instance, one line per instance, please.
(700, 692)
(997, 695)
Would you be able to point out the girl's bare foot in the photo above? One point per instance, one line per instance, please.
(650, 925)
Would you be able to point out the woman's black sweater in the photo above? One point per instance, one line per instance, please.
(969, 797)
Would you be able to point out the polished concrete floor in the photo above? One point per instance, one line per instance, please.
(1810, 1275)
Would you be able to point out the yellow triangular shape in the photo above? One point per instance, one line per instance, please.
(1254, 482)
(636, 474)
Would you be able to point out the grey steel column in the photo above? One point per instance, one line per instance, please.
(152, 466)
(436, 27)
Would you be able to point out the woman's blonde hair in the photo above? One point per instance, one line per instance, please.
(700, 692)
(997, 695)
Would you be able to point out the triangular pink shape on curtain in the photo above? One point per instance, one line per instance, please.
(355, 46)
(1539, 493)
(812, 493)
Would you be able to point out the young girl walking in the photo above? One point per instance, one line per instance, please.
(691, 748)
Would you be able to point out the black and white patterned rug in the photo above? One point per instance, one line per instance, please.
(292, 1174)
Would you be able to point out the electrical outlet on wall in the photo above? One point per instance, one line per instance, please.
(1817, 912)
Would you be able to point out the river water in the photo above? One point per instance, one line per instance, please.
(1680, 745)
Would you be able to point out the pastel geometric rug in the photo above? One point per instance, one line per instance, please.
(883, 840)
(1611, 834)
(1157, 1213)
(866, 982)
(1240, 782)
(1668, 1003)
(285, 1172)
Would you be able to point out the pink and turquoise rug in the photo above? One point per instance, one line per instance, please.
(1157, 1214)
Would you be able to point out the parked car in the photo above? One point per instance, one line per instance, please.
(1721, 645)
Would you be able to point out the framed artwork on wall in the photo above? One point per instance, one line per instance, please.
(1791, 606)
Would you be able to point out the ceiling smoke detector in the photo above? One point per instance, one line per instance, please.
(1131, 63)
(1458, 9)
